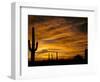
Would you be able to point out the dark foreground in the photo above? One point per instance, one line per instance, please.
(75, 60)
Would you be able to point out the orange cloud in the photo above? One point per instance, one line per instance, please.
(68, 34)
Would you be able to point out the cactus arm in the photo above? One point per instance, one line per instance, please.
(36, 46)
(29, 45)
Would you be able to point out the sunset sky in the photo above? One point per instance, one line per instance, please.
(66, 35)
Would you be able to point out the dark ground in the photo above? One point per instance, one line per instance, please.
(76, 60)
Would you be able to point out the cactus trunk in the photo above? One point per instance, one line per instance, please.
(34, 47)
(56, 55)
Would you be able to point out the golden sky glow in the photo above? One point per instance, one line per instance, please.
(66, 35)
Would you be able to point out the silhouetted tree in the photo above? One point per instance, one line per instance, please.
(78, 59)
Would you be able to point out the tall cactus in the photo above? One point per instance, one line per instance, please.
(34, 47)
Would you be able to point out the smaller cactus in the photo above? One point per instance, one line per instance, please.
(86, 55)
(56, 55)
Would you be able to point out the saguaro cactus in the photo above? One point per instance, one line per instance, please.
(34, 47)
(86, 55)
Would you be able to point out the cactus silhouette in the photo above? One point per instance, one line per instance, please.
(86, 55)
(56, 55)
(34, 47)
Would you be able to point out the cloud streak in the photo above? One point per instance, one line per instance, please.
(65, 33)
